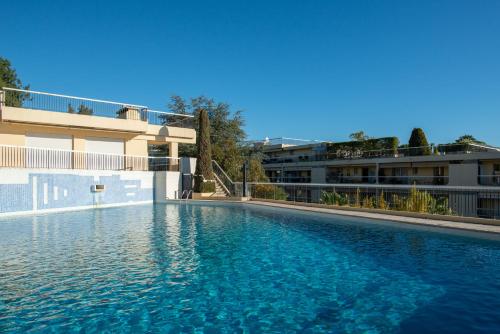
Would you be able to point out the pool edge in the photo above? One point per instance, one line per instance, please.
(405, 219)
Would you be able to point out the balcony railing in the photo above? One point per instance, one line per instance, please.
(371, 179)
(459, 201)
(489, 180)
(28, 99)
(439, 150)
(32, 157)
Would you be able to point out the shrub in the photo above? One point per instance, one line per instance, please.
(269, 191)
(207, 187)
(418, 143)
(382, 204)
(368, 202)
(333, 198)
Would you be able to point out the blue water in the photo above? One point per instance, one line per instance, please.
(235, 268)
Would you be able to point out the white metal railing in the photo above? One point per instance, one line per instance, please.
(29, 99)
(34, 157)
(157, 117)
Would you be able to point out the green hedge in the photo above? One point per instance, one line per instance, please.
(204, 186)
(386, 143)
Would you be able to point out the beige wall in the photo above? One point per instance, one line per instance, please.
(12, 135)
(21, 121)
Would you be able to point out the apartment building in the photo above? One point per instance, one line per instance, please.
(381, 162)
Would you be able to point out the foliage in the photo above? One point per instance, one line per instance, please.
(358, 136)
(415, 201)
(269, 191)
(369, 202)
(226, 131)
(9, 78)
(334, 198)
(422, 202)
(418, 143)
(468, 139)
(256, 172)
(71, 110)
(357, 198)
(362, 148)
(83, 110)
(382, 204)
(204, 157)
(204, 186)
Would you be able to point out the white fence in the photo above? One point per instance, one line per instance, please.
(32, 157)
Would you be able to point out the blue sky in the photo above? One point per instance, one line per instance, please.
(304, 69)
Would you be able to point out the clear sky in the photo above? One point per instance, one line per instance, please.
(303, 69)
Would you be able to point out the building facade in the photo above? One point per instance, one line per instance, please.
(62, 152)
(451, 166)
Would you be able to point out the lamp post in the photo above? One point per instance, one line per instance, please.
(245, 168)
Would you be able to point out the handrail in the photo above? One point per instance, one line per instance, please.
(378, 186)
(170, 113)
(89, 152)
(73, 97)
(222, 184)
(222, 170)
(228, 183)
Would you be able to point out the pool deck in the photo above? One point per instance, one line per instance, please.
(387, 217)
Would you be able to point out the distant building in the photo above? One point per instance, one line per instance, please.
(435, 167)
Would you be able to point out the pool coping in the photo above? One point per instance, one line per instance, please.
(406, 219)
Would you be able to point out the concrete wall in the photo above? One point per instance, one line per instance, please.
(167, 185)
(24, 190)
(464, 174)
(318, 175)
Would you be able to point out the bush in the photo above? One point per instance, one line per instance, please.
(269, 191)
(418, 143)
(204, 186)
(333, 198)
(363, 148)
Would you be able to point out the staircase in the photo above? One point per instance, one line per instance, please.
(220, 191)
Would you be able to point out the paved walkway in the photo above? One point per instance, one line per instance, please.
(378, 216)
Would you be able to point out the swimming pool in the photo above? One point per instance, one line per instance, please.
(242, 268)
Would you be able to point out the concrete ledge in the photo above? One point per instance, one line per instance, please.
(73, 208)
(462, 223)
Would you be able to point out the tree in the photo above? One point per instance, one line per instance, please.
(83, 110)
(71, 110)
(9, 78)
(226, 131)
(358, 136)
(204, 170)
(418, 143)
(468, 139)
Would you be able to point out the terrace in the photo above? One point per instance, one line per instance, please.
(48, 102)
(133, 127)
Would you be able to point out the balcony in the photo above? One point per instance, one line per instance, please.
(31, 157)
(355, 154)
(402, 180)
(23, 106)
(489, 180)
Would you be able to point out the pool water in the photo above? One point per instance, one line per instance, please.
(199, 268)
